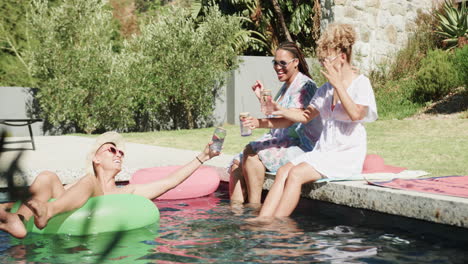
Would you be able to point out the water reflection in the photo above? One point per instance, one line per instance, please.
(186, 230)
(286, 241)
(210, 230)
(37, 248)
(200, 234)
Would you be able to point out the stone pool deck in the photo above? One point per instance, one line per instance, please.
(66, 154)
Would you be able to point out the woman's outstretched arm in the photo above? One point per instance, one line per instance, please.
(157, 188)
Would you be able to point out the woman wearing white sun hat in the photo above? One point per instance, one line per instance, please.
(103, 163)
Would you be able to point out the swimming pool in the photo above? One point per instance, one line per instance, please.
(208, 230)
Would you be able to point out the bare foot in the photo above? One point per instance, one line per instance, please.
(237, 207)
(255, 206)
(12, 224)
(260, 220)
(6, 206)
(40, 211)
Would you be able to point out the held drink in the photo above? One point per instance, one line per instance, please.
(245, 131)
(218, 139)
(267, 106)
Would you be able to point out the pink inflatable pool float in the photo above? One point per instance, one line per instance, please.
(202, 182)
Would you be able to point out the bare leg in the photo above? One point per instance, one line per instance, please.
(254, 174)
(299, 175)
(237, 188)
(71, 199)
(276, 191)
(46, 185)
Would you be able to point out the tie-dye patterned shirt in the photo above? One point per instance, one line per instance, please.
(280, 145)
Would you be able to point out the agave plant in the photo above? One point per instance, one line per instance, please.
(453, 24)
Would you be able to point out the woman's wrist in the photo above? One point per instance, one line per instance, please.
(261, 122)
(202, 158)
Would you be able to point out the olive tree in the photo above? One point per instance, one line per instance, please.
(82, 76)
(166, 76)
(181, 64)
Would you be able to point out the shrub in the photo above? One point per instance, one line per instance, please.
(436, 77)
(418, 74)
(168, 76)
(460, 61)
(181, 66)
(394, 99)
(82, 82)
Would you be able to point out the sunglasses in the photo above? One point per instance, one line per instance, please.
(282, 64)
(328, 59)
(114, 151)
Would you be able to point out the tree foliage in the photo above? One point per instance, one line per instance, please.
(166, 76)
(13, 70)
(83, 82)
(182, 65)
(302, 19)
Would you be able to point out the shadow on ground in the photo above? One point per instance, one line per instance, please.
(453, 103)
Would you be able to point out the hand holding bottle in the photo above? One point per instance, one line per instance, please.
(266, 101)
(251, 122)
(218, 139)
(257, 88)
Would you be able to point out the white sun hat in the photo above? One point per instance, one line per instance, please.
(108, 137)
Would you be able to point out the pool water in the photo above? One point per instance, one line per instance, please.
(209, 230)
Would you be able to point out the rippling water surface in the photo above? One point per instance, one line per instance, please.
(209, 230)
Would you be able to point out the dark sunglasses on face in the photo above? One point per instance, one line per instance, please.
(114, 151)
(282, 64)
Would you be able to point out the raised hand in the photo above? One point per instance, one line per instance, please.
(257, 88)
(333, 73)
(208, 153)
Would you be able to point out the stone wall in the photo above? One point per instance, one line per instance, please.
(383, 26)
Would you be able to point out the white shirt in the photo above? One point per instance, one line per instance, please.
(342, 146)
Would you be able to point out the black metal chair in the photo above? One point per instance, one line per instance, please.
(22, 122)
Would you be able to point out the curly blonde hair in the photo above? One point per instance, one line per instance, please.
(338, 37)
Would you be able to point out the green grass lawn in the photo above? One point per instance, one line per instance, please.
(436, 146)
(195, 139)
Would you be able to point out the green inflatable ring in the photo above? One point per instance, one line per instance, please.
(107, 213)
